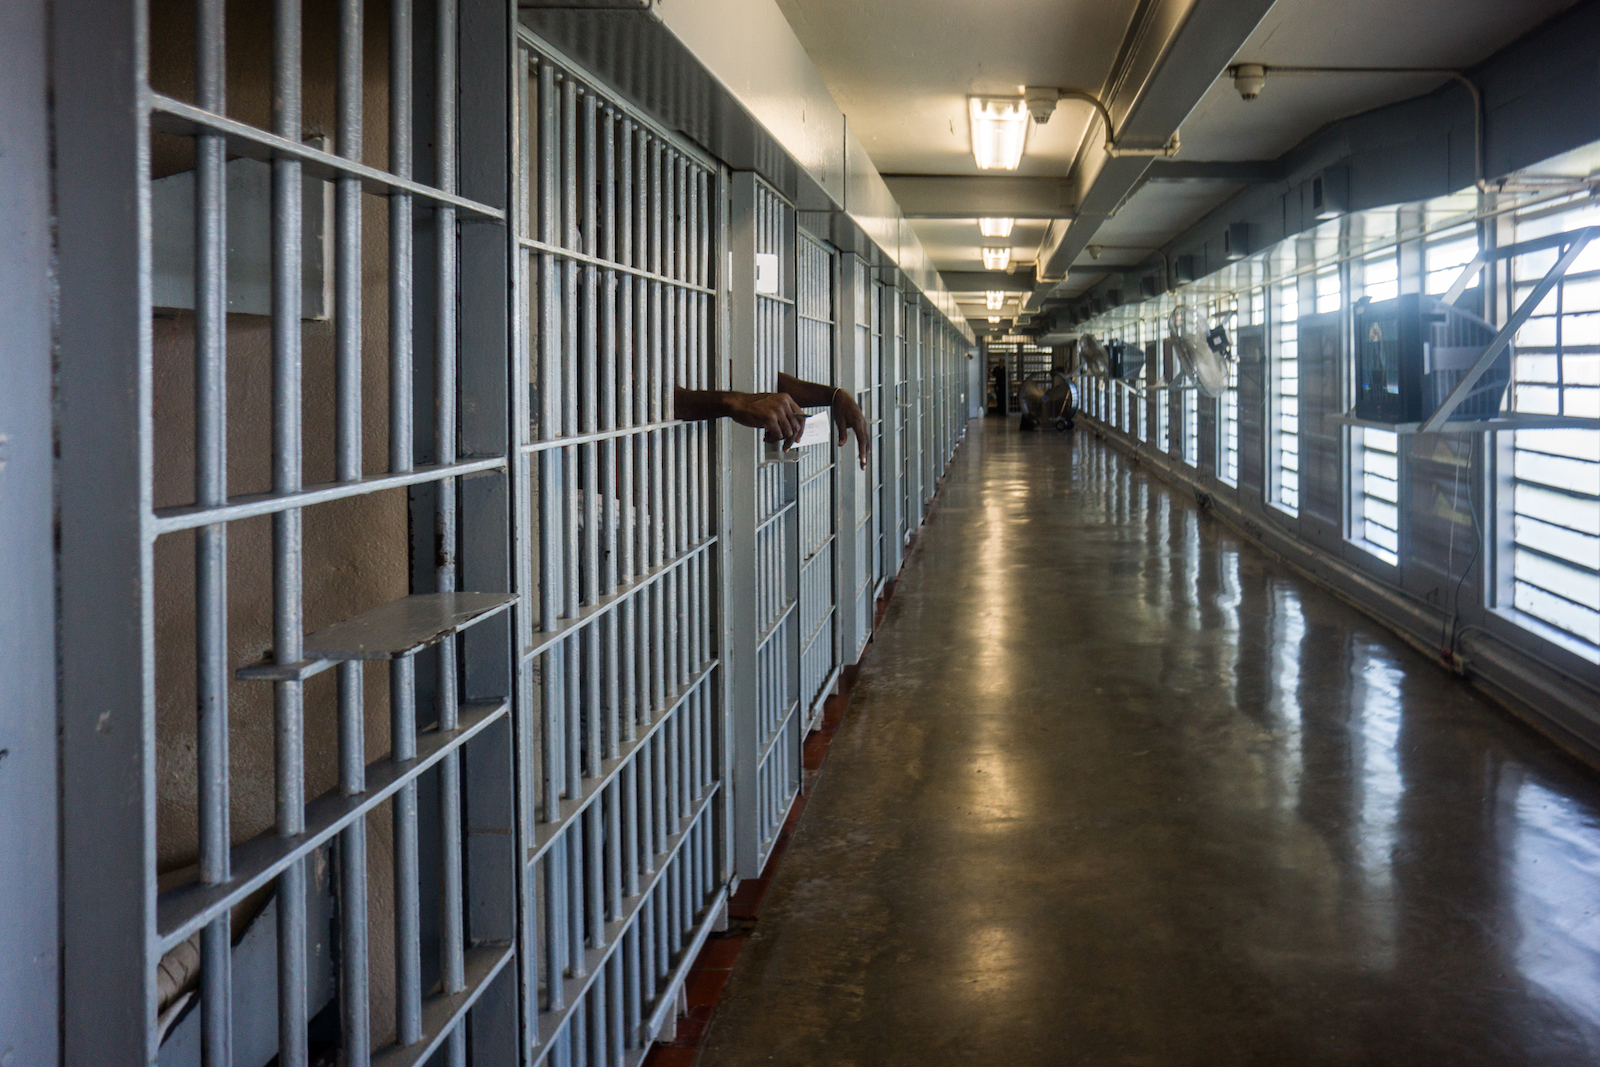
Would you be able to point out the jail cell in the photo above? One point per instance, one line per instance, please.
(247, 763)
(619, 712)
(900, 431)
(867, 337)
(921, 333)
(780, 530)
(816, 274)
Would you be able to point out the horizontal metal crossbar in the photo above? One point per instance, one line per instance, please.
(777, 732)
(811, 638)
(766, 635)
(1539, 244)
(776, 515)
(1511, 420)
(545, 640)
(594, 959)
(182, 911)
(174, 116)
(820, 473)
(824, 543)
(191, 516)
(609, 264)
(441, 1012)
(600, 435)
(545, 833)
(680, 972)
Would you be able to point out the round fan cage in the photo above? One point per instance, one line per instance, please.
(1093, 355)
(1202, 363)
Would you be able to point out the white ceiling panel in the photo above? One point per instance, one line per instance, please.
(1349, 33)
(902, 70)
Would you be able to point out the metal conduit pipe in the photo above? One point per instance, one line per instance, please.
(1247, 78)
(1041, 102)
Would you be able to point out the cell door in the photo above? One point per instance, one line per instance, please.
(780, 530)
(899, 425)
(619, 711)
(877, 469)
(816, 274)
(284, 560)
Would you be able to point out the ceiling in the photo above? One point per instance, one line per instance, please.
(901, 70)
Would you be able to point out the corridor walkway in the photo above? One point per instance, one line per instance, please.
(1114, 788)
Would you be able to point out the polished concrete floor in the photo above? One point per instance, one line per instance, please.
(1114, 788)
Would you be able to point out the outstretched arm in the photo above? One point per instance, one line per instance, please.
(776, 413)
(847, 415)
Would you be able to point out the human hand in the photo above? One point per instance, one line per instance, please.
(776, 413)
(847, 417)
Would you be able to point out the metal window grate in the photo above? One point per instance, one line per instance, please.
(1286, 396)
(1555, 513)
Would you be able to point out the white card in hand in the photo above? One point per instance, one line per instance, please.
(815, 432)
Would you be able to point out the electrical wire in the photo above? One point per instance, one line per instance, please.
(1449, 635)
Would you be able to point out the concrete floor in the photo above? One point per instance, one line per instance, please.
(1116, 789)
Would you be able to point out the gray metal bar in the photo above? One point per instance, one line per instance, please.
(354, 994)
(407, 918)
(182, 911)
(347, 241)
(289, 726)
(452, 932)
(187, 517)
(174, 116)
(401, 282)
(211, 545)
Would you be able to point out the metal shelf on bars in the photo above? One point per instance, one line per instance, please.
(389, 631)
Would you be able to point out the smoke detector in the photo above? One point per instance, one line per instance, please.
(1249, 78)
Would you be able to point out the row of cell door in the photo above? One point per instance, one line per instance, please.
(454, 680)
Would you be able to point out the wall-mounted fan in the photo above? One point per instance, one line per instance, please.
(1186, 328)
(1211, 366)
(1093, 355)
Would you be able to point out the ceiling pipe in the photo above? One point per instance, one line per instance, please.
(1248, 79)
(1041, 101)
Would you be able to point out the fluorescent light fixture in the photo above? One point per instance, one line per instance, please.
(994, 300)
(996, 258)
(996, 227)
(994, 318)
(999, 130)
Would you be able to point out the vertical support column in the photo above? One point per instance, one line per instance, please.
(29, 965)
(107, 694)
(491, 392)
(739, 521)
(727, 483)
(849, 561)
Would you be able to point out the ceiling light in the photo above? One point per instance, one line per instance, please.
(996, 227)
(994, 299)
(996, 258)
(999, 130)
(994, 318)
